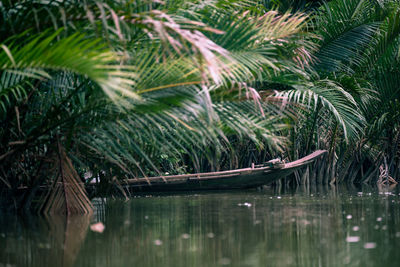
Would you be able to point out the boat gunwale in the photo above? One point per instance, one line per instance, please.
(228, 173)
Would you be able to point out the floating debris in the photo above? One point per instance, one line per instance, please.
(157, 242)
(245, 204)
(384, 227)
(369, 245)
(185, 236)
(379, 219)
(348, 217)
(146, 217)
(98, 227)
(278, 197)
(352, 239)
(210, 235)
(356, 228)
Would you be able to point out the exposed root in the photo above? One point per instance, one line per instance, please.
(67, 195)
(384, 177)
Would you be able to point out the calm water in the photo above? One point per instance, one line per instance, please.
(305, 227)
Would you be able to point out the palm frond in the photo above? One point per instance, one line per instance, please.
(74, 53)
(329, 95)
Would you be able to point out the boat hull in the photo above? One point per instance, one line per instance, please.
(235, 179)
(242, 181)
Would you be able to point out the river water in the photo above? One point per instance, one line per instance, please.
(270, 227)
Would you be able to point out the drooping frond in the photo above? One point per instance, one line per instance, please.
(347, 29)
(44, 52)
(331, 96)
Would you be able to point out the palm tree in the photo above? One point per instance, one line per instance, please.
(352, 96)
(134, 88)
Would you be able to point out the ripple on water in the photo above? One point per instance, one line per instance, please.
(352, 239)
(369, 245)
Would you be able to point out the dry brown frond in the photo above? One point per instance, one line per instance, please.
(67, 195)
(187, 40)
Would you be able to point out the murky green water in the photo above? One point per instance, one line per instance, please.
(309, 227)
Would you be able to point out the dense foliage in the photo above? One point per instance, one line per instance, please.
(355, 115)
(139, 88)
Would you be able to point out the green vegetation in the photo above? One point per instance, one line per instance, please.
(123, 89)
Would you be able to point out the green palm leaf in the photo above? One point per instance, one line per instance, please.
(330, 96)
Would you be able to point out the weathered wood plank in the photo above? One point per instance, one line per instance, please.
(239, 178)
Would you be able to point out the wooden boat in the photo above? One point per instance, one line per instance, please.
(255, 176)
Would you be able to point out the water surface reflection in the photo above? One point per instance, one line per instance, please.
(302, 227)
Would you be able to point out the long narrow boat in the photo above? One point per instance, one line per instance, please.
(254, 176)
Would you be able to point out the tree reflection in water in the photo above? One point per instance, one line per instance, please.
(53, 240)
(310, 226)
